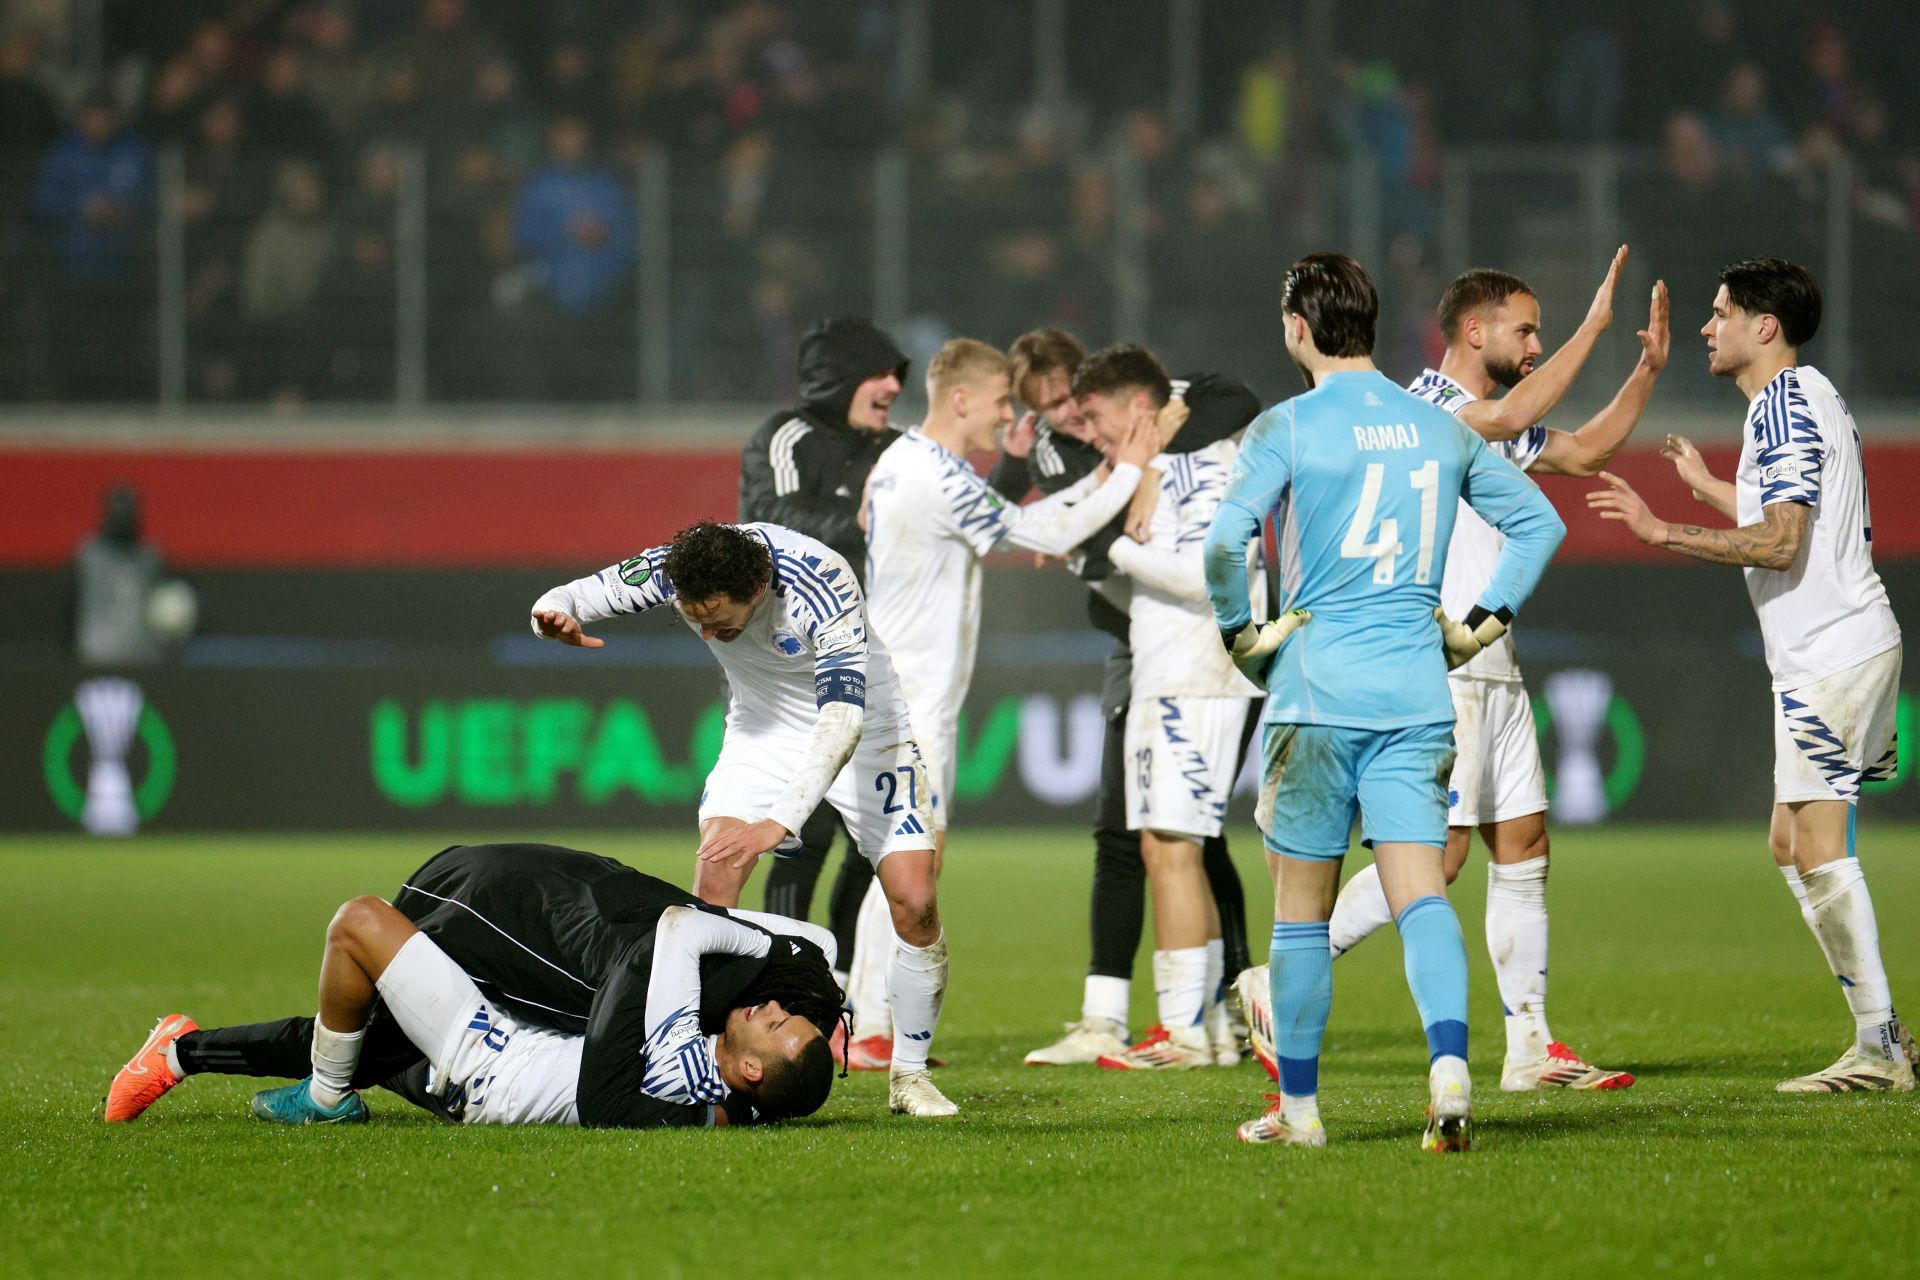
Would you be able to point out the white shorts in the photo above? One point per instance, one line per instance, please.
(1497, 774)
(883, 794)
(487, 1068)
(1834, 734)
(1183, 754)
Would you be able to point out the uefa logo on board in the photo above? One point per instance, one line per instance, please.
(94, 784)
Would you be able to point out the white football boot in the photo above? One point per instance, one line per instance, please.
(1272, 1126)
(1163, 1051)
(1856, 1072)
(1256, 1005)
(1086, 1042)
(1450, 1109)
(913, 1093)
(1561, 1068)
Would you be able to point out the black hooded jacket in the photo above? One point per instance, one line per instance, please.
(805, 468)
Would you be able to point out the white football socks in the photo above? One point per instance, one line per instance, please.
(1107, 999)
(873, 944)
(335, 1055)
(1360, 909)
(1844, 923)
(1792, 876)
(1517, 944)
(917, 981)
(1180, 982)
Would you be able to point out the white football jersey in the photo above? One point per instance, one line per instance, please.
(1829, 611)
(930, 518)
(1176, 645)
(807, 643)
(1474, 549)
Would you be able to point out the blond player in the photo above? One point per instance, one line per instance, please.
(929, 519)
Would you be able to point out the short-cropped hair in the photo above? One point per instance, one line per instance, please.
(962, 360)
(1124, 366)
(1481, 289)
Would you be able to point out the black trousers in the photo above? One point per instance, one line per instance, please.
(791, 881)
(1118, 908)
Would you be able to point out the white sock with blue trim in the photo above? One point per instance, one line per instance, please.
(1844, 922)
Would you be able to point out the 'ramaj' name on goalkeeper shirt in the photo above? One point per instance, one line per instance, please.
(1366, 478)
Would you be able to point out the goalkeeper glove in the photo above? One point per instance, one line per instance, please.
(1464, 640)
(1253, 646)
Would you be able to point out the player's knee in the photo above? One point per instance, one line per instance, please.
(1780, 841)
(355, 920)
(916, 914)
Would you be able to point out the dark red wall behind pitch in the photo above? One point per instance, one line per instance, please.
(263, 508)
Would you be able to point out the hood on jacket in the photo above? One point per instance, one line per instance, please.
(836, 356)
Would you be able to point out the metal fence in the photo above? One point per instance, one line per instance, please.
(427, 279)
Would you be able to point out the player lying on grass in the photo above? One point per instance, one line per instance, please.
(814, 714)
(1804, 538)
(528, 984)
(1365, 480)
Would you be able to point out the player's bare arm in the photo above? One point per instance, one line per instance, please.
(1774, 543)
(1586, 451)
(1692, 468)
(1537, 394)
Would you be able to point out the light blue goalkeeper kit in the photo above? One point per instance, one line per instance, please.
(1364, 481)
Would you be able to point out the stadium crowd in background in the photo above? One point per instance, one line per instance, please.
(294, 122)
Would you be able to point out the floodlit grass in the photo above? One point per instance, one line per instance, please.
(1677, 953)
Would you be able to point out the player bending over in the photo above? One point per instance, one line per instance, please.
(813, 714)
(1805, 541)
(929, 520)
(1491, 322)
(1187, 708)
(526, 984)
(1366, 480)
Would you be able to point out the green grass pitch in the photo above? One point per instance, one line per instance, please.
(1677, 953)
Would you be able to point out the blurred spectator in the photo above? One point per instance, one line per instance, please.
(1270, 89)
(286, 254)
(344, 81)
(357, 294)
(1586, 77)
(284, 119)
(447, 47)
(1747, 131)
(1691, 160)
(95, 191)
(29, 121)
(574, 222)
(223, 191)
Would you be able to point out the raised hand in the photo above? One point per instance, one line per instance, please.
(1655, 338)
(1687, 461)
(1172, 416)
(1018, 441)
(555, 625)
(1600, 314)
(1619, 502)
(1140, 443)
